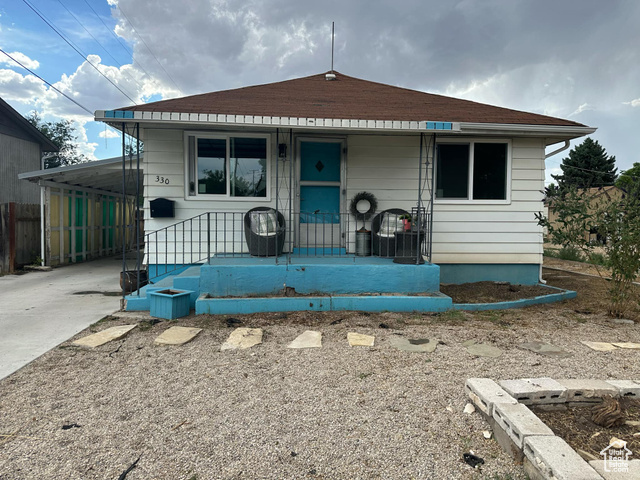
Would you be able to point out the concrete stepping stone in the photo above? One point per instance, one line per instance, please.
(482, 349)
(177, 336)
(600, 346)
(308, 339)
(631, 345)
(420, 345)
(242, 338)
(546, 349)
(105, 336)
(360, 340)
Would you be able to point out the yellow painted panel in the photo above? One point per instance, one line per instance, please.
(54, 213)
(66, 220)
(55, 244)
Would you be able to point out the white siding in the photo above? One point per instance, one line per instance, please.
(463, 233)
(386, 166)
(497, 233)
(165, 156)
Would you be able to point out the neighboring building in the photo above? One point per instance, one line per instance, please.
(21, 147)
(596, 195)
(307, 146)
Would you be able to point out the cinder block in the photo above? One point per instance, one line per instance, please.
(519, 422)
(555, 459)
(535, 391)
(587, 390)
(504, 440)
(626, 388)
(485, 393)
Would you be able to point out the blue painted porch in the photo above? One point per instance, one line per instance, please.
(245, 284)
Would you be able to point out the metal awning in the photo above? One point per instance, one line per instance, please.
(103, 175)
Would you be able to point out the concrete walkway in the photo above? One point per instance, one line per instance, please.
(40, 310)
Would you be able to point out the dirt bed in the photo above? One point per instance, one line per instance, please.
(575, 426)
(491, 292)
(195, 412)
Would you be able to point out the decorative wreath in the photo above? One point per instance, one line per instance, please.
(373, 205)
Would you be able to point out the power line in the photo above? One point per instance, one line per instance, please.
(78, 51)
(145, 44)
(43, 80)
(96, 40)
(124, 47)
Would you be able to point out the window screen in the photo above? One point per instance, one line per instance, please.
(248, 167)
(212, 172)
(490, 171)
(452, 180)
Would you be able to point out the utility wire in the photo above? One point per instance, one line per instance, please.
(125, 48)
(78, 51)
(145, 44)
(43, 80)
(96, 40)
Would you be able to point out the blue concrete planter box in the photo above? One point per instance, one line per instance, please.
(169, 304)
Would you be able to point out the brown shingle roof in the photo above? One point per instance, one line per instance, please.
(348, 98)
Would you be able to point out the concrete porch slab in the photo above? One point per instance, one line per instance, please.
(237, 277)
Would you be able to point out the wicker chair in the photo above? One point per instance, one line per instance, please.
(269, 243)
(384, 245)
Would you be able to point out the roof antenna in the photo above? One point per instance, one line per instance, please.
(331, 75)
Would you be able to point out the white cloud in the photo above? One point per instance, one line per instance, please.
(21, 88)
(633, 103)
(108, 133)
(22, 58)
(585, 107)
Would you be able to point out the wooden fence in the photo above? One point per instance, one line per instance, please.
(19, 235)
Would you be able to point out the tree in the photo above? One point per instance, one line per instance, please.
(615, 218)
(629, 179)
(62, 134)
(587, 166)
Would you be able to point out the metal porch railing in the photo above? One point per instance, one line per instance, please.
(313, 234)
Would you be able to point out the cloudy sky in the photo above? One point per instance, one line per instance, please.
(575, 59)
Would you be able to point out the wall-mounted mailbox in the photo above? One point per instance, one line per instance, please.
(162, 208)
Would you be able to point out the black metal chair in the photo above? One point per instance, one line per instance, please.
(384, 242)
(263, 238)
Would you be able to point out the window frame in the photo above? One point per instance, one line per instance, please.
(471, 163)
(191, 171)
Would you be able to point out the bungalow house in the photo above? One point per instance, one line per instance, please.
(327, 154)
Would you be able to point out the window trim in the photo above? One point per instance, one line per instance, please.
(191, 170)
(469, 200)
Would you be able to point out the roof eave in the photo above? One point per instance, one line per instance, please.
(115, 118)
(555, 131)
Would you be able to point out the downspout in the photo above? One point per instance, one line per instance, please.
(551, 154)
(561, 149)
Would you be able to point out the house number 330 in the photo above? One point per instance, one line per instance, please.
(163, 180)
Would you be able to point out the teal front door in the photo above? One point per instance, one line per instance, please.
(320, 186)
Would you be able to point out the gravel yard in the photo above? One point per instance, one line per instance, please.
(193, 412)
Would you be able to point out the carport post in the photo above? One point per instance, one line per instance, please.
(124, 193)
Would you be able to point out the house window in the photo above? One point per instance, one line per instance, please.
(230, 166)
(472, 171)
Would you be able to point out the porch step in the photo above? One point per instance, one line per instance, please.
(188, 279)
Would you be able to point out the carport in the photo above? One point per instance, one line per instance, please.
(89, 210)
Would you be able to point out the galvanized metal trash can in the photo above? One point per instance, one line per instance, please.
(363, 243)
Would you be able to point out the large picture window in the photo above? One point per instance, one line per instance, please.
(232, 166)
(472, 171)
